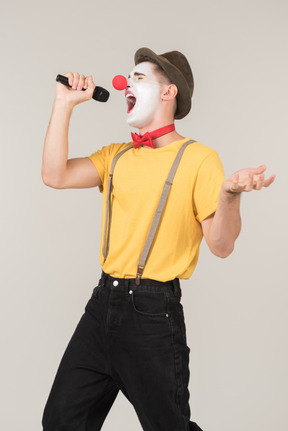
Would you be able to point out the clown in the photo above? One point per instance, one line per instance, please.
(163, 193)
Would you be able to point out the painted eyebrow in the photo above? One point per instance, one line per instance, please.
(137, 74)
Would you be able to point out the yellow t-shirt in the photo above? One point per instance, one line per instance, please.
(138, 181)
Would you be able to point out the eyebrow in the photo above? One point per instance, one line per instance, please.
(137, 74)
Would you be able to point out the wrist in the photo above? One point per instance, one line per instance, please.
(64, 103)
(227, 194)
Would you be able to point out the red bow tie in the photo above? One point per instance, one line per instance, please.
(147, 138)
(139, 140)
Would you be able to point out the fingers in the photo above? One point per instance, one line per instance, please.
(249, 183)
(69, 75)
(81, 82)
(77, 81)
(86, 83)
(260, 169)
(90, 84)
(269, 181)
(259, 181)
(246, 185)
(234, 186)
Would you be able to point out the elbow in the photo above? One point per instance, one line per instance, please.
(50, 182)
(45, 180)
(223, 252)
(222, 246)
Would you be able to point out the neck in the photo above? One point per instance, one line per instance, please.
(155, 125)
(164, 140)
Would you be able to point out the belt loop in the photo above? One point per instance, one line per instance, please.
(103, 277)
(176, 289)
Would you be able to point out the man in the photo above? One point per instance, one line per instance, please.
(132, 336)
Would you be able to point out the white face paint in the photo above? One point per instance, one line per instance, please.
(142, 95)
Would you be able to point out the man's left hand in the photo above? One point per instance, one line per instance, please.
(247, 179)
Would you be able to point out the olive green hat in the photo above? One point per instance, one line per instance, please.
(178, 70)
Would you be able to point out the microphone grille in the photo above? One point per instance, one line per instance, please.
(101, 94)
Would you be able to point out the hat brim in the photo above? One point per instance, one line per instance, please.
(184, 92)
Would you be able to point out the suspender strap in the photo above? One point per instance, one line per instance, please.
(158, 213)
(105, 249)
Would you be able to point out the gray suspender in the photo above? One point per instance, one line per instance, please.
(105, 249)
(157, 216)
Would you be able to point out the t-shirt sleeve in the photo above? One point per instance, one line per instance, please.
(208, 185)
(100, 161)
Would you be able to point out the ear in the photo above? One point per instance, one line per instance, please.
(169, 92)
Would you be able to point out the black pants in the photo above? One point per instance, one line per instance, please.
(131, 338)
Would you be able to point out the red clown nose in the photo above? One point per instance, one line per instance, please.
(119, 82)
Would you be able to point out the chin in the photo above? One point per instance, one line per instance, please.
(132, 123)
(137, 123)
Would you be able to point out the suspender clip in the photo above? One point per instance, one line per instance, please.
(140, 270)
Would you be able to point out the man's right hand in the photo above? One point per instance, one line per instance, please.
(75, 95)
(57, 170)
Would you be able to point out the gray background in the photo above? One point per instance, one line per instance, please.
(236, 308)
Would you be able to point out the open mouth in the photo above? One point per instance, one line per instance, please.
(131, 101)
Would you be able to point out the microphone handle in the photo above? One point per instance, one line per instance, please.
(99, 94)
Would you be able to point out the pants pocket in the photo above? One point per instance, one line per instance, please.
(149, 303)
(97, 289)
(176, 312)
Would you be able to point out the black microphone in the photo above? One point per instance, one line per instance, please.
(99, 93)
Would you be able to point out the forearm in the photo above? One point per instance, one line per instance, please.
(226, 224)
(55, 153)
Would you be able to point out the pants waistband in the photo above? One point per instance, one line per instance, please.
(146, 284)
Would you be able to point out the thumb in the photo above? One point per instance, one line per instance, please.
(90, 82)
(91, 86)
(260, 169)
